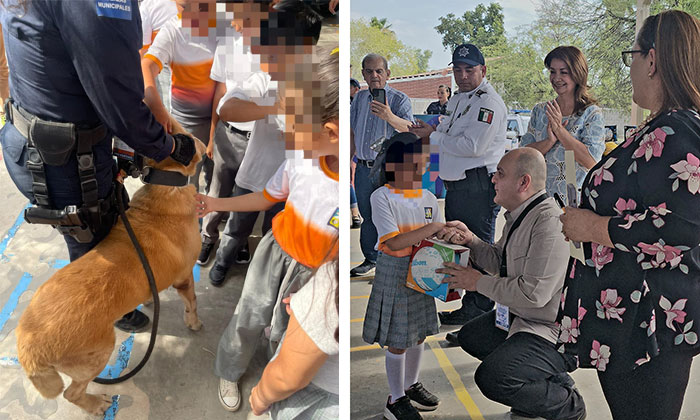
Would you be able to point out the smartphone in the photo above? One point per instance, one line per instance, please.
(379, 95)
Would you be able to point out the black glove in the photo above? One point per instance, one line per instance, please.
(184, 149)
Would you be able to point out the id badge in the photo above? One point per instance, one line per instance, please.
(502, 317)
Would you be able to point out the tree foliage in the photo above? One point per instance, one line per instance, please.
(376, 37)
(482, 27)
(600, 28)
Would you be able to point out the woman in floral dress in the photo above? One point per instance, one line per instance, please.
(572, 121)
(632, 310)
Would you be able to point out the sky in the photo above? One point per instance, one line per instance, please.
(414, 21)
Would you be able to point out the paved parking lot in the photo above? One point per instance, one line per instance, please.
(448, 371)
(177, 383)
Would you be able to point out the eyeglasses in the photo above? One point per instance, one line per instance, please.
(627, 56)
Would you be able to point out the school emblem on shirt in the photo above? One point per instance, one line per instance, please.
(120, 9)
(485, 115)
(428, 213)
(334, 221)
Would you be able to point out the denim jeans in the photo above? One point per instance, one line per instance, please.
(525, 371)
(470, 201)
(364, 187)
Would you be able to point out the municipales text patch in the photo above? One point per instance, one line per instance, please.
(428, 213)
(119, 9)
(485, 115)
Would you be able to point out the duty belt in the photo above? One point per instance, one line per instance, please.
(52, 143)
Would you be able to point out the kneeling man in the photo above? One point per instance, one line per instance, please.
(516, 341)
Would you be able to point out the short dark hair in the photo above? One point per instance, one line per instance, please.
(292, 22)
(355, 83)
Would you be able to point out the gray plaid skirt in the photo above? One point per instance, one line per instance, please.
(310, 403)
(397, 316)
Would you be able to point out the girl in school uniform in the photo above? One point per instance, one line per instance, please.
(397, 317)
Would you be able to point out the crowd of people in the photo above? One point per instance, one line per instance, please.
(531, 312)
(249, 80)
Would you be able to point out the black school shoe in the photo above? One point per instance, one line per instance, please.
(401, 410)
(217, 275)
(243, 256)
(134, 321)
(367, 268)
(205, 253)
(422, 399)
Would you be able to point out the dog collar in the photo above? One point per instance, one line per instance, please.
(150, 175)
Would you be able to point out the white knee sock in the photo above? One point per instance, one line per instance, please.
(413, 358)
(395, 374)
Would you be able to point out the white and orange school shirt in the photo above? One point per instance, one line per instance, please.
(154, 15)
(190, 59)
(307, 228)
(400, 211)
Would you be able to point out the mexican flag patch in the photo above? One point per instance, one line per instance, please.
(485, 115)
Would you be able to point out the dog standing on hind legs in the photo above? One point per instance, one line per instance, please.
(68, 326)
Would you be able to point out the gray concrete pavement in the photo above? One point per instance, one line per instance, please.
(177, 383)
(449, 372)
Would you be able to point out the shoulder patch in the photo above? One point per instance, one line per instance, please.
(428, 213)
(480, 92)
(335, 219)
(119, 9)
(485, 115)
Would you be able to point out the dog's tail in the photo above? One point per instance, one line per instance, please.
(47, 381)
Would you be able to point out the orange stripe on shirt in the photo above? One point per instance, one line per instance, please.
(270, 198)
(401, 252)
(306, 243)
(193, 76)
(156, 60)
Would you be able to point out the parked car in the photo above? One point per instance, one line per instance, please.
(516, 127)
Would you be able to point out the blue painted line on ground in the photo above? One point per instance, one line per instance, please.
(58, 264)
(14, 299)
(9, 361)
(113, 371)
(196, 272)
(11, 233)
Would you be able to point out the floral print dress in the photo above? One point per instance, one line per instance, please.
(587, 126)
(627, 304)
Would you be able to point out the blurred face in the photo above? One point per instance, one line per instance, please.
(408, 175)
(284, 62)
(199, 15)
(375, 73)
(507, 183)
(468, 77)
(246, 19)
(442, 94)
(560, 78)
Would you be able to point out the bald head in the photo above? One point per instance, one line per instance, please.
(529, 161)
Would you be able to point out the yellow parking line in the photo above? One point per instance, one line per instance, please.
(359, 297)
(357, 320)
(456, 381)
(376, 346)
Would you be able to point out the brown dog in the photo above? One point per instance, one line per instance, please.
(68, 326)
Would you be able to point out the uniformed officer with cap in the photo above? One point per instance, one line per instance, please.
(472, 139)
(75, 82)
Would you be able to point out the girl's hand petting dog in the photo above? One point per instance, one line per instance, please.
(204, 204)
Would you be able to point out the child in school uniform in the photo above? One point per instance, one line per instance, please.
(303, 236)
(397, 317)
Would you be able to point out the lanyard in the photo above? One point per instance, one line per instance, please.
(535, 202)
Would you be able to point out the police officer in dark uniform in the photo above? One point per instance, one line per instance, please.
(75, 83)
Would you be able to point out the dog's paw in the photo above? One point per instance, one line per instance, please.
(98, 404)
(192, 322)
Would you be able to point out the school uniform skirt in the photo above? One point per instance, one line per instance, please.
(310, 403)
(397, 316)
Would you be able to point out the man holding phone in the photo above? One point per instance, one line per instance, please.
(375, 113)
